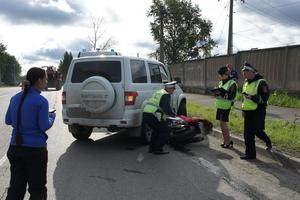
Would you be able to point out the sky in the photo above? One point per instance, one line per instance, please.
(38, 32)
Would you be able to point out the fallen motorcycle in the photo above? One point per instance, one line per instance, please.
(185, 130)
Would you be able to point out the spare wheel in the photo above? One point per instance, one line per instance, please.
(97, 94)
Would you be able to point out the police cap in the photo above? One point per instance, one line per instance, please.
(248, 67)
(170, 84)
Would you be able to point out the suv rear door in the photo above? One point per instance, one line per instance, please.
(96, 88)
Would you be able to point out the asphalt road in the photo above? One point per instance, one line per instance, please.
(105, 168)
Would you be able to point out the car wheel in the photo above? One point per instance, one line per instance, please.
(182, 108)
(146, 133)
(81, 132)
(58, 87)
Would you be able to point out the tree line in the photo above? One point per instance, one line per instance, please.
(10, 69)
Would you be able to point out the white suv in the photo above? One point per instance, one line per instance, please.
(107, 90)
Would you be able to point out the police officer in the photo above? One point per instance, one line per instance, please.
(224, 101)
(155, 112)
(255, 96)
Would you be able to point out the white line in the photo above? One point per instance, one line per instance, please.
(2, 161)
(4, 95)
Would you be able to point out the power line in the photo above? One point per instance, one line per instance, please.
(222, 28)
(263, 12)
(287, 4)
(219, 17)
(259, 27)
(246, 30)
(276, 9)
(262, 29)
(249, 38)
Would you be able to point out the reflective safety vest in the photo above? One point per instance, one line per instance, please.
(152, 105)
(250, 89)
(222, 103)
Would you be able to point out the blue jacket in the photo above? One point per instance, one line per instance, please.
(35, 118)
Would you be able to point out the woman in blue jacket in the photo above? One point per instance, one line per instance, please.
(28, 114)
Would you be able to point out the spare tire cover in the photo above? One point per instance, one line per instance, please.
(97, 94)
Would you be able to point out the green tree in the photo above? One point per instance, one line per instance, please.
(185, 34)
(2, 48)
(65, 63)
(10, 69)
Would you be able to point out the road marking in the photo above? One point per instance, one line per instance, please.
(209, 165)
(4, 95)
(2, 161)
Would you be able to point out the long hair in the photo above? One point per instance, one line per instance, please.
(32, 76)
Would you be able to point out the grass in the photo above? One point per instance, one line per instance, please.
(280, 98)
(285, 135)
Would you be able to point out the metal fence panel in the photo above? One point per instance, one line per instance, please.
(293, 69)
(280, 67)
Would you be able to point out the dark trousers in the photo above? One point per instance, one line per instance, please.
(254, 125)
(27, 166)
(160, 133)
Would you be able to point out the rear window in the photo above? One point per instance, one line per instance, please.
(111, 70)
(138, 71)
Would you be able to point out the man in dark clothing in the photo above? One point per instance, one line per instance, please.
(255, 98)
(155, 112)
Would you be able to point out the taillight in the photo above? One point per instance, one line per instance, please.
(130, 98)
(63, 98)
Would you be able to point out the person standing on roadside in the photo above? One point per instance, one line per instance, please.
(225, 94)
(255, 97)
(28, 114)
(232, 72)
(155, 112)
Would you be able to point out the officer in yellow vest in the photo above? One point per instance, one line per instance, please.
(255, 96)
(155, 112)
(225, 95)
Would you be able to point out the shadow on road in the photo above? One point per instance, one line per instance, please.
(117, 167)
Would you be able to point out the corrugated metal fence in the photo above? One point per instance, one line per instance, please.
(279, 66)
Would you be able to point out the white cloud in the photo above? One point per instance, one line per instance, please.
(37, 31)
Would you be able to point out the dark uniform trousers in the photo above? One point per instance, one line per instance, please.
(160, 134)
(254, 125)
(28, 166)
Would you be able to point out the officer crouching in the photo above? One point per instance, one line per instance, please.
(157, 109)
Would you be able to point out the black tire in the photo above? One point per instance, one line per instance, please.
(146, 133)
(58, 86)
(182, 108)
(81, 132)
(183, 135)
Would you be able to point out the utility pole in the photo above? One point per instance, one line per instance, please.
(230, 43)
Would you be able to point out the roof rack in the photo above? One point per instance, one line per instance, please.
(98, 52)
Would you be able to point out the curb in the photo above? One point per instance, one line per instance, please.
(285, 160)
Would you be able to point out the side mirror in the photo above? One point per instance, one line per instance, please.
(178, 80)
